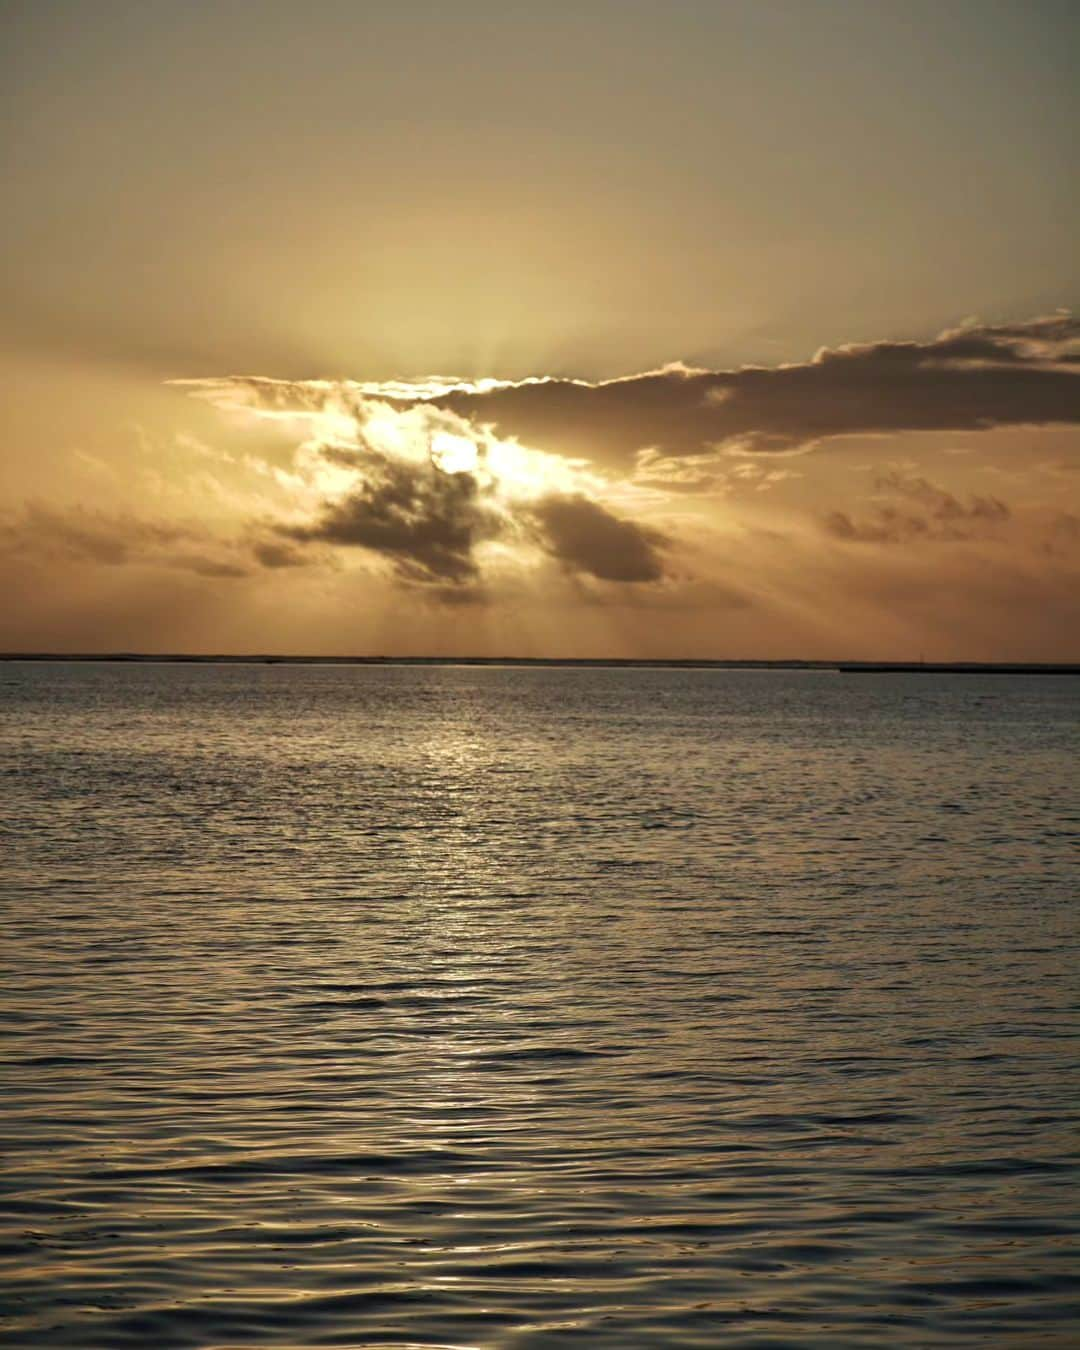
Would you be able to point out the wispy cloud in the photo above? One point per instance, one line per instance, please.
(120, 540)
(911, 510)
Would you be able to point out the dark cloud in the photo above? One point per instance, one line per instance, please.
(911, 508)
(586, 537)
(425, 521)
(276, 553)
(428, 524)
(968, 379)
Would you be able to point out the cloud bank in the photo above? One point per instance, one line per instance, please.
(444, 480)
(966, 379)
(972, 378)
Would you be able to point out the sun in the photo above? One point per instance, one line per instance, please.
(453, 454)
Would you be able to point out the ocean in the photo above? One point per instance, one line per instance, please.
(506, 1007)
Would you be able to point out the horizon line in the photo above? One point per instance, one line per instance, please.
(675, 662)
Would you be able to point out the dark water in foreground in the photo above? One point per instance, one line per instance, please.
(478, 1007)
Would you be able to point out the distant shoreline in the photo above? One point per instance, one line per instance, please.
(841, 667)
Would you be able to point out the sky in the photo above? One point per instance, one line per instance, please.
(739, 328)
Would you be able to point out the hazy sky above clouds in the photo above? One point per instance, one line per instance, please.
(619, 328)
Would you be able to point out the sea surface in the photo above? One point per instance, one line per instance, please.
(458, 1007)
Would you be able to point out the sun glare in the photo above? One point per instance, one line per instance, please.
(346, 431)
(453, 454)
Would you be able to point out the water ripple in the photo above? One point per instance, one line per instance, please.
(528, 1008)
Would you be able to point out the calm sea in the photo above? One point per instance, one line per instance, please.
(538, 1007)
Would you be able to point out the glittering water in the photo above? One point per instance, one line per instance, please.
(502, 1007)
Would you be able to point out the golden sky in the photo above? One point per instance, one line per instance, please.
(630, 329)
